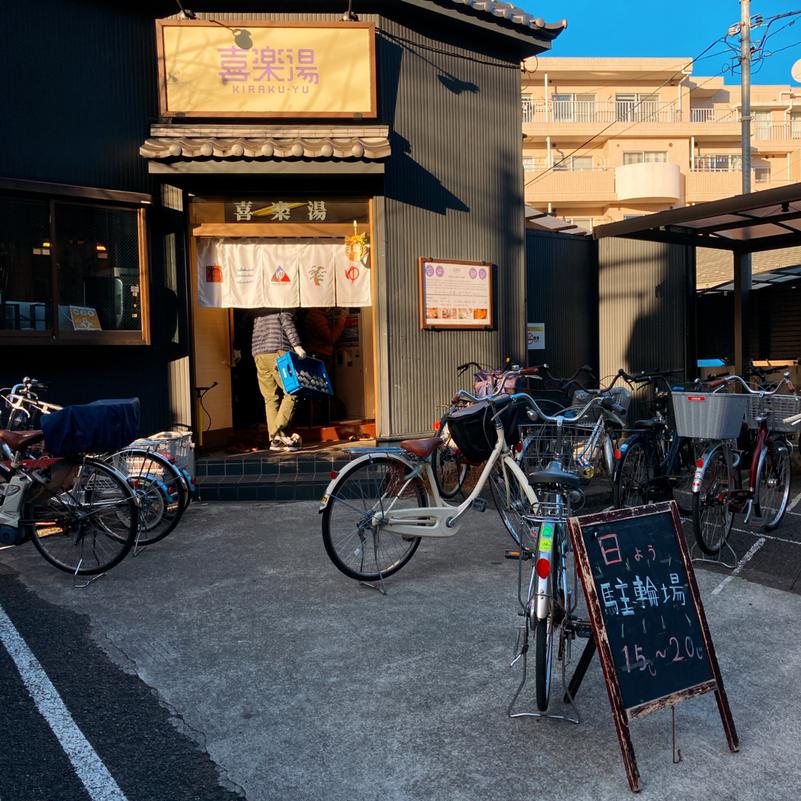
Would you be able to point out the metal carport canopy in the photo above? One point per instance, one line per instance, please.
(743, 224)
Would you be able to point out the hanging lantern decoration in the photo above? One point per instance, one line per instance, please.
(357, 247)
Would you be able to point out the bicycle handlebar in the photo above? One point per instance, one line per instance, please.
(720, 383)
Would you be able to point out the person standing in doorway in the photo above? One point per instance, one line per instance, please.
(274, 333)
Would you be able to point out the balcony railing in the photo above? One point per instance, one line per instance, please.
(713, 115)
(789, 129)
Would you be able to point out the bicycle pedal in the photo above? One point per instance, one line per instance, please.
(518, 553)
(479, 504)
(581, 628)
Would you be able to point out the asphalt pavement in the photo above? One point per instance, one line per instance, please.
(233, 660)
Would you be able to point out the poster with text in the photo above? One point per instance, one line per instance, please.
(455, 294)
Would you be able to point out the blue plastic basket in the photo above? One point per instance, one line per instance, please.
(306, 378)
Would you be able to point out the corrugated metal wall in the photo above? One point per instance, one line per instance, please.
(77, 108)
(646, 311)
(562, 293)
(82, 94)
(453, 190)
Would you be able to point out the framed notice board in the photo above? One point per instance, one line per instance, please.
(648, 622)
(456, 294)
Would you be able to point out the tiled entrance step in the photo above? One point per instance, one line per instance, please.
(262, 476)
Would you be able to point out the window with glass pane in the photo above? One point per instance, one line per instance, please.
(582, 162)
(795, 125)
(97, 251)
(26, 274)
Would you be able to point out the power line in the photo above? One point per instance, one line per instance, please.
(615, 122)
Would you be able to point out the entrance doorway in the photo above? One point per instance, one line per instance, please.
(342, 338)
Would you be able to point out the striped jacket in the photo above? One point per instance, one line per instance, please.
(274, 330)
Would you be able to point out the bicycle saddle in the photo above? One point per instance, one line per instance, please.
(20, 439)
(553, 475)
(421, 447)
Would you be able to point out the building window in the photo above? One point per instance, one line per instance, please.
(636, 107)
(761, 175)
(529, 163)
(71, 270)
(582, 222)
(645, 157)
(527, 104)
(572, 163)
(719, 162)
(795, 124)
(572, 107)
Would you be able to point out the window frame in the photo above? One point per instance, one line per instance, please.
(54, 194)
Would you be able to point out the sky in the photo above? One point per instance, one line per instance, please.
(682, 28)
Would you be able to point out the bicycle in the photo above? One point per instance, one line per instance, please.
(653, 463)
(163, 487)
(549, 600)
(718, 490)
(80, 513)
(449, 465)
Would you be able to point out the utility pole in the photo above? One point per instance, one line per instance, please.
(745, 82)
(742, 260)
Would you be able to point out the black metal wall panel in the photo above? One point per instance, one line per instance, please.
(646, 314)
(453, 190)
(82, 95)
(562, 293)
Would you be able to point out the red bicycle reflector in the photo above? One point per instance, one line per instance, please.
(333, 474)
(618, 453)
(436, 425)
(519, 447)
(699, 462)
(543, 568)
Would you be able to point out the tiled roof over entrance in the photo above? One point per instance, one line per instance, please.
(515, 15)
(274, 142)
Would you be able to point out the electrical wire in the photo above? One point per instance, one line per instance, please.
(582, 146)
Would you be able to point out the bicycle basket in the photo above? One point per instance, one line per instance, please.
(473, 430)
(576, 449)
(709, 415)
(774, 408)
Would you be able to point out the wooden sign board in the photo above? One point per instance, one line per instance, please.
(647, 619)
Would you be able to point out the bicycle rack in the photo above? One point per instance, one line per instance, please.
(697, 555)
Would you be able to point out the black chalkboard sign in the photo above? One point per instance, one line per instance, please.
(648, 623)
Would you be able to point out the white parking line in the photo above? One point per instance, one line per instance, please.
(99, 783)
(793, 503)
(740, 565)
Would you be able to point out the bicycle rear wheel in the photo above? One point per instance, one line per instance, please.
(450, 469)
(160, 488)
(632, 476)
(712, 516)
(773, 482)
(85, 520)
(360, 547)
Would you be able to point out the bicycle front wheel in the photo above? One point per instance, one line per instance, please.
(85, 520)
(358, 544)
(632, 476)
(450, 469)
(512, 506)
(712, 516)
(543, 661)
(160, 488)
(773, 483)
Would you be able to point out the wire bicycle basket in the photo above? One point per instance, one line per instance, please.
(576, 447)
(773, 409)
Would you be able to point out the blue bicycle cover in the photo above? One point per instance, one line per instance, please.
(99, 427)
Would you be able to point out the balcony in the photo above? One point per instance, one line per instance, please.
(776, 131)
(648, 181)
(704, 184)
(576, 187)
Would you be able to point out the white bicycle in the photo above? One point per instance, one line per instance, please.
(379, 507)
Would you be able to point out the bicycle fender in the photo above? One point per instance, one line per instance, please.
(545, 549)
(350, 467)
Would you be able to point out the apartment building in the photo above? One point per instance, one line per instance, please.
(609, 138)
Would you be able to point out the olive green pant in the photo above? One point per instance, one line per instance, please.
(279, 405)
